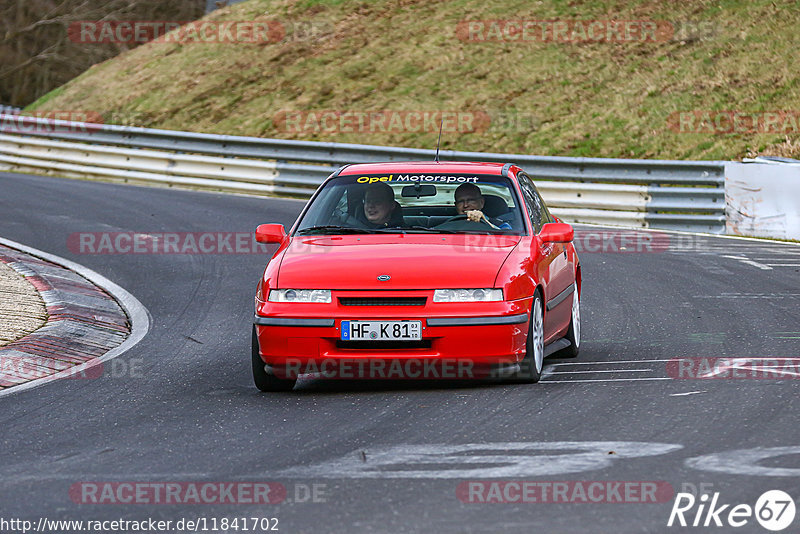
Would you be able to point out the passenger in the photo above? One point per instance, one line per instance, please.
(380, 208)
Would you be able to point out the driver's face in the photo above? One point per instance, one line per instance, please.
(466, 201)
(377, 209)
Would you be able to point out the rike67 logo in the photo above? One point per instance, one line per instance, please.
(774, 510)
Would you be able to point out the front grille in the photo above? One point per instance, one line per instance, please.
(384, 345)
(382, 301)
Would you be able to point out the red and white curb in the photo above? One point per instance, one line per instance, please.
(91, 320)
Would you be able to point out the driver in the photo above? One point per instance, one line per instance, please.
(469, 201)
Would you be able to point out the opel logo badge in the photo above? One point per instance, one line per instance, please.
(384, 278)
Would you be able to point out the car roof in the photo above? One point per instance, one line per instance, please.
(424, 166)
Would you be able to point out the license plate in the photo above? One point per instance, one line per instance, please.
(381, 330)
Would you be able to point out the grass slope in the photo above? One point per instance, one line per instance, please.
(601, 99)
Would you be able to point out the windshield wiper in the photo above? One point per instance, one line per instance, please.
(429, 230)
(435, 230)
(333, 229)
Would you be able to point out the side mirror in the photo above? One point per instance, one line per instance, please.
(270, 233)
(556, 233)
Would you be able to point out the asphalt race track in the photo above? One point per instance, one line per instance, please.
(394, 456)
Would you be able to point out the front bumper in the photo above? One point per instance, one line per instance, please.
(459, 340)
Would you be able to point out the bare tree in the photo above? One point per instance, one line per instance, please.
(37, 53)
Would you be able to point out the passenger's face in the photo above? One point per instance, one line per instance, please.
(376, 208)
(467, 200)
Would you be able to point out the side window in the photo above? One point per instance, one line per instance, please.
(341, 208)
(546, 216)
(533, 202)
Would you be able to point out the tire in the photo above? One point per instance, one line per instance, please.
(266, 381)
(531, 366)
(574, 332)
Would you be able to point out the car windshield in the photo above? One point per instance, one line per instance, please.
(408, 203)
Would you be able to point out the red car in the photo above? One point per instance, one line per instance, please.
(417, 270)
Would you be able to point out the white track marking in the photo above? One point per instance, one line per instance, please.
(137, 313)
(749, 296)
(601, 371)
(754, 364)
(745, 462)
(746, 261)
(752, 359)
(686, 394)
(785, 256)
(613, 362)
(480, 460)
(589, 368)
(602, 380)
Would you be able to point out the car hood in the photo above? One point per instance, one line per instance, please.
(413, 261)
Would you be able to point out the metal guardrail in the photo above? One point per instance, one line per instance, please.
(644, 193)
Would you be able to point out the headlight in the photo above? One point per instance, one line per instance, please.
(467, 295)
(300, 295)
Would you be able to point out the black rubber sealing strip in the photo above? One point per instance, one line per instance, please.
(291, 321)
(478, 321)
(555, 301)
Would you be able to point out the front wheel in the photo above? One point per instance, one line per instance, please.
(531, 367)
(266, 381)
